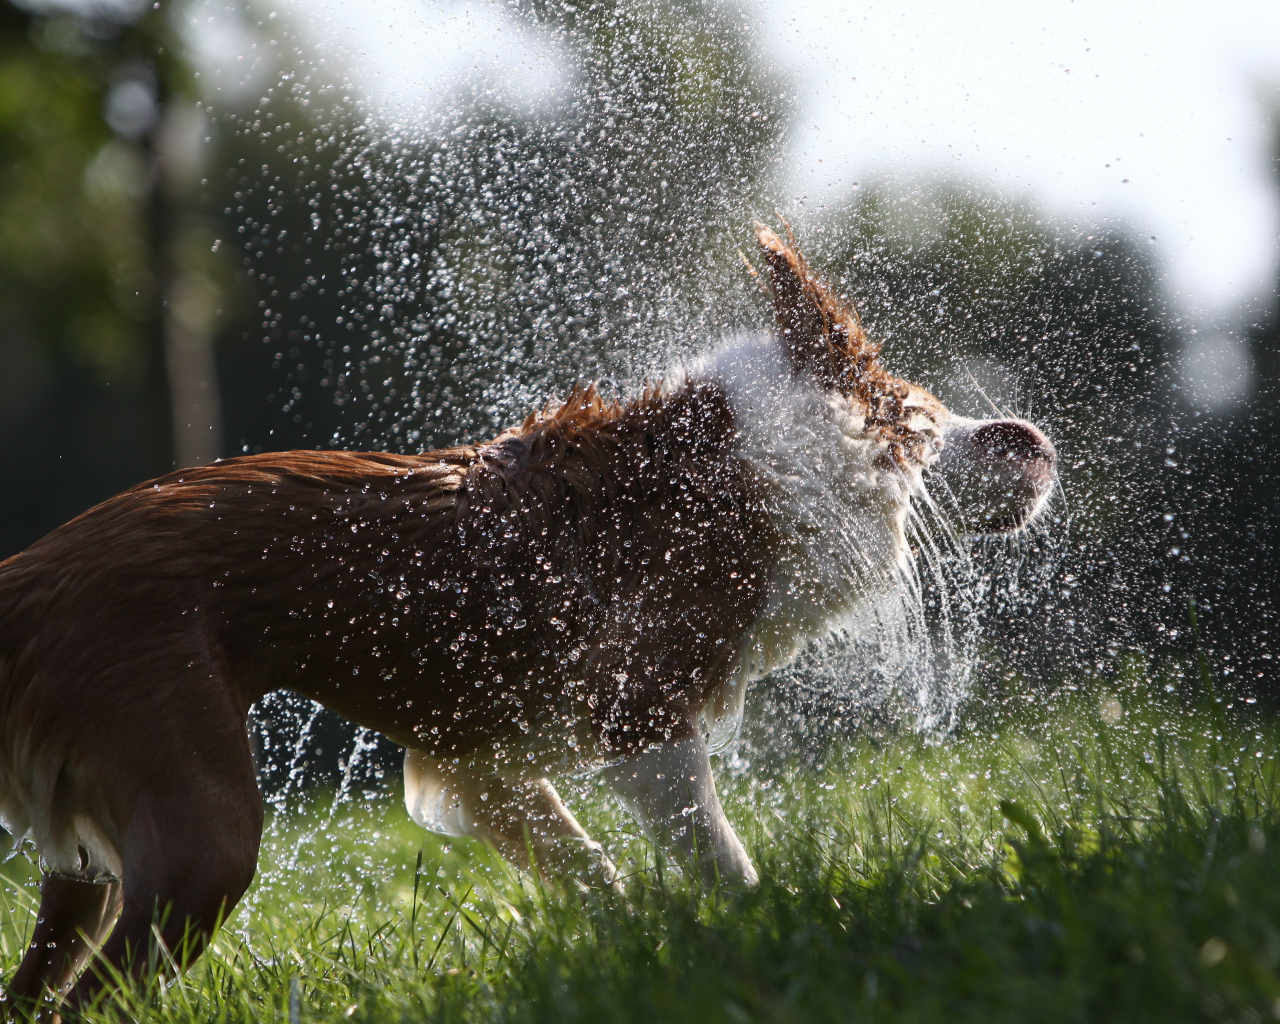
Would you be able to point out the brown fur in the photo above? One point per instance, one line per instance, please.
(576, 590)
(826, 339)
(439, 599)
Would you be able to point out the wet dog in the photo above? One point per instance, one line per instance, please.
(596, 586)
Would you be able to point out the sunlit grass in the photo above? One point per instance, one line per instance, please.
(1110, 854)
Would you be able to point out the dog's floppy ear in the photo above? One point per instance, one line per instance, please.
(821, 334)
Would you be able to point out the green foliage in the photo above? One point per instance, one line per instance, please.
(83, 399)
(1109, 856)
(74, 262)
(75, 249)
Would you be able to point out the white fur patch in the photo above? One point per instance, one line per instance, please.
(76, 845)
(13, 817)
(671, 792)
(840, 508)
(429, 801)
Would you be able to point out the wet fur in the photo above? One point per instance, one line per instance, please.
(593, 586)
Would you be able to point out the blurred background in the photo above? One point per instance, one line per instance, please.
(238, 227)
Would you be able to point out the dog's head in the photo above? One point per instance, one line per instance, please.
(988, 476)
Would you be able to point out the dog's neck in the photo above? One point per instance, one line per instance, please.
(837, 504)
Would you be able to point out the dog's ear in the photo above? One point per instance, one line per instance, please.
(821, 334)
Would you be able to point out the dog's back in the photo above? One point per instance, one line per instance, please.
(180, 602)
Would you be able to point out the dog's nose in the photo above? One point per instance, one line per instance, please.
(999, 472)
(1018, 442)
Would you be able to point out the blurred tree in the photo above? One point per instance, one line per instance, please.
(1224, 503)
(105, 348)
(436, 277)
(81, 395)
(1264, 322)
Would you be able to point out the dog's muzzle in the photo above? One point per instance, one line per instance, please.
(998, 474)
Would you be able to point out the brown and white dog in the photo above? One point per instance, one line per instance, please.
(596, 586)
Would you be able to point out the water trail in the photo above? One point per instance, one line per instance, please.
(365, 741)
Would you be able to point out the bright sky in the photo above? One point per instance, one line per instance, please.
(1158, 115)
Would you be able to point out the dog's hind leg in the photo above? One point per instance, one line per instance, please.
(188, 858)
(74, 916)
(182, 877)
(187, 821)
(672, 793)
(188, 853)
(525, 821)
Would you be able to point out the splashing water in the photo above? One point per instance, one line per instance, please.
(565, 201)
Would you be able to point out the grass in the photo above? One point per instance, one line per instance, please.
(1110, 854)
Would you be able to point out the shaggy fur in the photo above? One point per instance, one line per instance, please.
(596, 586)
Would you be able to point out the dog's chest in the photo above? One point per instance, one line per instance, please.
(836, 505)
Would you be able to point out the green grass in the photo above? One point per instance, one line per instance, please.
(1107, 855)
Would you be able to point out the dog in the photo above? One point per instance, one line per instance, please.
(597, 586)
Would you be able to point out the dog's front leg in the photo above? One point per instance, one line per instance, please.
(526, 821)
(671, 792)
